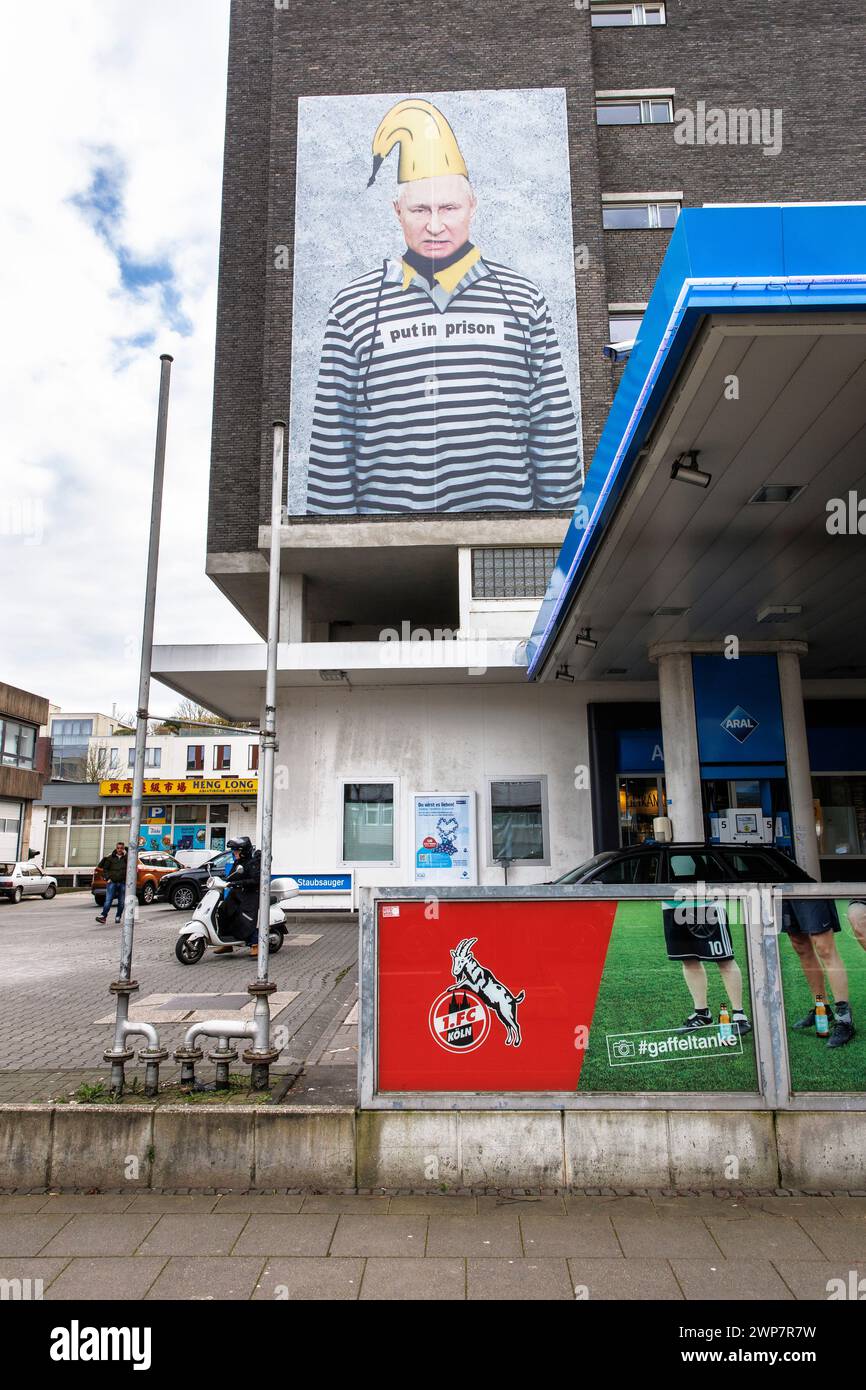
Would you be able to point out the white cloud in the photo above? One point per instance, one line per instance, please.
(138, 91)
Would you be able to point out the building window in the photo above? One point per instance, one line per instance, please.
(254, 757)
(222, 757)
(840, 815)
(113, 759)
(634, 110)
(17, 743)
(623, 325)
(628, 214)
(368, 822)
(513, 572)
(152, 757)
(607, 16)
(195, 757)
(518, 820)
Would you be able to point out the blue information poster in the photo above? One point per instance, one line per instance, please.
(444, 850)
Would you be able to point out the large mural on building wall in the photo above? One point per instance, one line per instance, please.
(434, 364)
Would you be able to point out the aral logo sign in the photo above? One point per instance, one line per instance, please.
(739, 724)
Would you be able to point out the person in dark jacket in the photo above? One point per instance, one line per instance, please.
(114, 868)
(238, 913)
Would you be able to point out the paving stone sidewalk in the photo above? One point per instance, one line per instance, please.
(152, 1245)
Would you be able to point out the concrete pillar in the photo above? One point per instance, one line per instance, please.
(680, 738)
(293, 606)
(799, 772)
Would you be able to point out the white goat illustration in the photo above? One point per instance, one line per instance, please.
(466, 970)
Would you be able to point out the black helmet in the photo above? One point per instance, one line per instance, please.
(243, 845)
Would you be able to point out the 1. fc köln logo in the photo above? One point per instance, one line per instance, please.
(460, 1016)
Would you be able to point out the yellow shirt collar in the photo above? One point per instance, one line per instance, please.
(450, 277)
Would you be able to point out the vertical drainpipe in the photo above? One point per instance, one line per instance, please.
(124, 985)
(261, 1055)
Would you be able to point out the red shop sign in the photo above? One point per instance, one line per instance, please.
(488, 996)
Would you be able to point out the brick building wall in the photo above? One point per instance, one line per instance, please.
(803, 58)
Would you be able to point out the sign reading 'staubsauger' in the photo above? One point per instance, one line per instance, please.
(185, 786)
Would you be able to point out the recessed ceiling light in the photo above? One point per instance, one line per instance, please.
(615, 671)
(670, 612)
(777, 492)
(779, 613)
(333, 675)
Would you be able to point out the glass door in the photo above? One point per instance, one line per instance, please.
(639, 799)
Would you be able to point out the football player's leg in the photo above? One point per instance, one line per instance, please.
(695, 977)
(837, 977)
(732, 976)
(857, 918)
(828, 954)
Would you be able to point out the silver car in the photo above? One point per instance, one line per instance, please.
(19, 881)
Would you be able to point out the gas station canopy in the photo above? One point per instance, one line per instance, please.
(750, 366)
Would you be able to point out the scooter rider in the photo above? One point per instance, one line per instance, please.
(238, 912)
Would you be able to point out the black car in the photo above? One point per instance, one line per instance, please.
(184, 887)
(689, 863)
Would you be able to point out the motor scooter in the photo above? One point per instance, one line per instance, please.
(202, 931)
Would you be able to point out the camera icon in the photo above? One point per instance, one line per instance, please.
(623, 1048)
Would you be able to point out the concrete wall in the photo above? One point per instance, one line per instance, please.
(237, 1148)
(426, 738)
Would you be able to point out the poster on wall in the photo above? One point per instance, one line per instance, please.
(444, 849)
(558, 996)
(434, 356)
(822, 952)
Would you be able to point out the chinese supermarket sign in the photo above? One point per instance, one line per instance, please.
(186, 786)
(557, 995)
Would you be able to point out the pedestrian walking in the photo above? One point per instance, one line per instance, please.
(114, 868)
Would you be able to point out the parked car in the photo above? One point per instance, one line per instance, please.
(19, 881)
(186, 887)
(153, 867)
(689, 863)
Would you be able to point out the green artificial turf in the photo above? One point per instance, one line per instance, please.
(814, 1066)
(641, 989)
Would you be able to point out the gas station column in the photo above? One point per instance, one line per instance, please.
(799, 773)
(680, 739)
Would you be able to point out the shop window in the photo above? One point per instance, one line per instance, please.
(633, 216)
(55, 847)
(190, 813)
(195, 757)
(118, 814)
(634, 110)
(368, 822)
(518, 821)
(840, 814)
(512, 572)
(640, 800)
(58, 815)
(254, 757)
(222, 757)
(219, 812)
(85, 842)
(87, 815)
(604, 15)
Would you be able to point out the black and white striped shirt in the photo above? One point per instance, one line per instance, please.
(431, 409)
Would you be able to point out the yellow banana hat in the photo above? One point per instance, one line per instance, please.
(428, 145)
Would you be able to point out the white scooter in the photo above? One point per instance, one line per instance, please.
(202, 930)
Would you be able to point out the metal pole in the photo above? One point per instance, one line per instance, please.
(124, 985)
(262, 1055)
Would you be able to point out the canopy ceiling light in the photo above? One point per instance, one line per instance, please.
(689, 472)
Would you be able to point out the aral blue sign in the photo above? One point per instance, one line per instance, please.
(739, 724)
(738, 710)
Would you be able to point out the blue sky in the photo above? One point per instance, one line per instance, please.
(109, 230)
